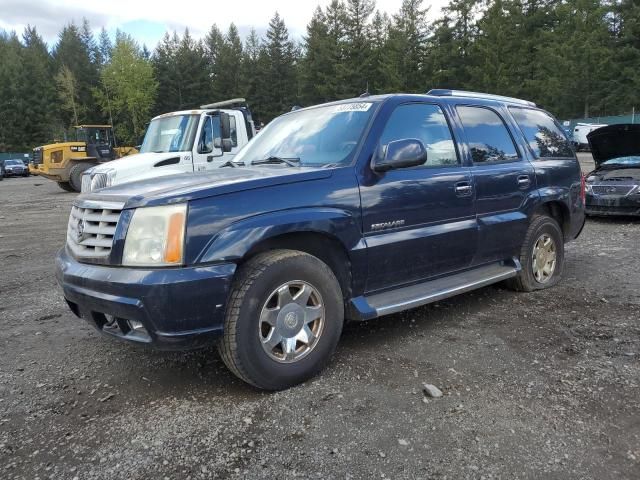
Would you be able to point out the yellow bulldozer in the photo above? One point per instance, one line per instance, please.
(65, 162)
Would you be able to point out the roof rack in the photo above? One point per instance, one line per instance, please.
(444, 92)
(234, 102)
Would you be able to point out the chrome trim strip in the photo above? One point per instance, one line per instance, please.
(98, 204)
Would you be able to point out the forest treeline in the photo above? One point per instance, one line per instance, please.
(573, 57)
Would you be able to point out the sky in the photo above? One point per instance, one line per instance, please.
(147, 20)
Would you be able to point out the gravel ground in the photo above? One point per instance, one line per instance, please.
(542, 385)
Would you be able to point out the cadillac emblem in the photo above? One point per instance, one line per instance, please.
(80, 226)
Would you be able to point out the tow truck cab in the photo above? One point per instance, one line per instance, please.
(197, 140)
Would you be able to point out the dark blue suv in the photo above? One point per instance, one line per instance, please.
(349, 210)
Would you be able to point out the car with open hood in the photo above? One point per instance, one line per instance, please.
(613, 188)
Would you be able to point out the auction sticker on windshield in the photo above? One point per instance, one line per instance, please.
(353, 107)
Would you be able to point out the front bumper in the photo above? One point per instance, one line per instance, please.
(16, 173)
(179, 308)
(609, 205)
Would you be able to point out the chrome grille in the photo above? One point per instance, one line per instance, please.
(91, 229)
(611, 189)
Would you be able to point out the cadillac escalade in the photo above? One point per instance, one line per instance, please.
(344, 211)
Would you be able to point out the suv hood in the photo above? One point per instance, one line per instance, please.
(614, 141)
(190, 186)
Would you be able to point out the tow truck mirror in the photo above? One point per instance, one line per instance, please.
(225, 126)
(227, 145)
(399, 154)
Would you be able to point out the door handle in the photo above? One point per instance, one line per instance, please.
(524, 181)
(463, 189)
(210, 158)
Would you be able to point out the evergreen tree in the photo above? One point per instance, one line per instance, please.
(76, 51)
(228, 65)
(317, 66)
(381, 72)
(250, 66)
(38, 94)
(12, 75)
(357, 47)
(407, 47)
(104, 47)
(277, 72)
(182, 71)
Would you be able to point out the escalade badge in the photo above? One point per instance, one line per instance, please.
(385, 225)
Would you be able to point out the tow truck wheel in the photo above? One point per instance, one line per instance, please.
(283, 321)
(541, 256)
(75, 174)
(66, 186)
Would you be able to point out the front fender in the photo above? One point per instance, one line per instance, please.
(233, 242)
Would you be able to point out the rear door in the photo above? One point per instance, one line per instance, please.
(418, 222)
(503, 180)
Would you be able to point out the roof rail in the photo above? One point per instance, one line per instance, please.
(225, 103)
(444, 92)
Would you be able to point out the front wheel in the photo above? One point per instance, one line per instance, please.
(283, 321)
(541, 256)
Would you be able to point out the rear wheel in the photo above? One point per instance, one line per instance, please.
(541, 256)
(75, 174)
(283, 321)
(66, 186)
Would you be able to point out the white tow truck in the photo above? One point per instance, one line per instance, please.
(179, 142)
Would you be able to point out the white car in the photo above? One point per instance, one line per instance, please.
(180, 142)
(580, 132)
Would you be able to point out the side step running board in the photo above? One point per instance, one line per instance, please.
(414, 296)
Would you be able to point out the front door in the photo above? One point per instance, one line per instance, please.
(418, 222)
(208, 149)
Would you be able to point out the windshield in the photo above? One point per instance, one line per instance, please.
(632, 161)
(170, 134)
(13, 162)
(315, 137)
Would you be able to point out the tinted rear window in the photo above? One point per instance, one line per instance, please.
(545, 137)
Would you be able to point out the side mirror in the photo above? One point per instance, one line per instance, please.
(225, 125)
(227, 145)
(399, 154)
(217, 143)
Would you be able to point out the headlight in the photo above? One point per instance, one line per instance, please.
(155, 236)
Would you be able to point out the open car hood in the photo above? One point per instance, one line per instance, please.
(614, 141)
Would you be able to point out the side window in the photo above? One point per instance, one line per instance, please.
(488, 137)
(426, 123)
(234, 130)
(545, 138)
(206, 140)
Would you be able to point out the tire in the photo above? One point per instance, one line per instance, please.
(244, 347)
(530, 278)
(66, 186)
(75, 174)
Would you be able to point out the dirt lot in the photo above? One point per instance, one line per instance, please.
(542, 385)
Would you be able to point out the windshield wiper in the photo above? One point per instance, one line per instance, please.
(231, 163)
(292, 161)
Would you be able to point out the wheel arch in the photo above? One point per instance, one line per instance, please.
(559, 211)
(331, 235)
